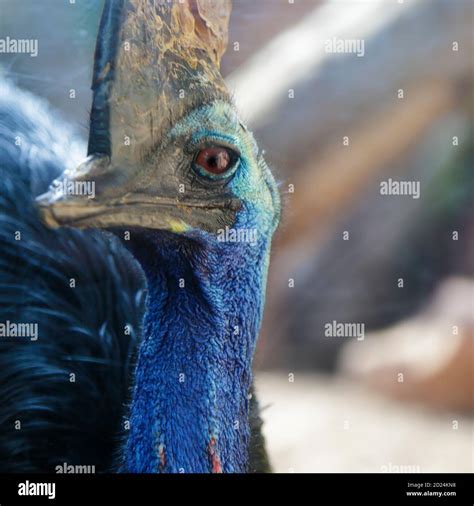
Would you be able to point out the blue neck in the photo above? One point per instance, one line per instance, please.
(189, 409)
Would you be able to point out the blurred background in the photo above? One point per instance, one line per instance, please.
(348, 98)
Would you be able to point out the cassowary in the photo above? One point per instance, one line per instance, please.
(146, 329)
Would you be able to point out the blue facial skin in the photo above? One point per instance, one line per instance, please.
(205, 301)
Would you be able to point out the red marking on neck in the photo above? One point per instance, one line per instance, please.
(162, 455)
(216, 466)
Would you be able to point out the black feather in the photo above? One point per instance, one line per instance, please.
(81, 330)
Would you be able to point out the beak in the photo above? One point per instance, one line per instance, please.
(155, 61)
(73, 201)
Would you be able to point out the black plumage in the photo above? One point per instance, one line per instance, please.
(90, 330)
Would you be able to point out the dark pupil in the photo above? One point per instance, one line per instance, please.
(214, 160)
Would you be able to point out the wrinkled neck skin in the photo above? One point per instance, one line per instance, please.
(190, 402)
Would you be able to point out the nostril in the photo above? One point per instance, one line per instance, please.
(92, 167)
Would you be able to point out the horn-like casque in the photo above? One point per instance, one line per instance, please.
(155, 61)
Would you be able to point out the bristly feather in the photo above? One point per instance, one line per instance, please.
(81, 330)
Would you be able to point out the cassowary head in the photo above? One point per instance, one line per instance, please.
(167, 150)
(174, 166)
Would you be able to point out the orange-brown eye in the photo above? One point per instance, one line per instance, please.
(215, 160)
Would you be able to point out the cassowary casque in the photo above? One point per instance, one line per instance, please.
(146, 329)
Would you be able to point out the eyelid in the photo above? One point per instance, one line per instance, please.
(208, 140)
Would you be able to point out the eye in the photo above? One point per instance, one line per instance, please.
(216, 161)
